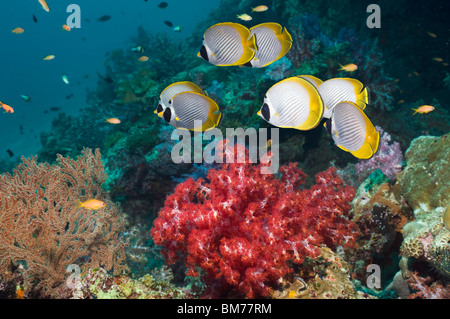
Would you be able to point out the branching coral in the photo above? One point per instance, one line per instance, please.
(242, 228)
(42, 229)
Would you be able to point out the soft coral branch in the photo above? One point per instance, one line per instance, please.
(243, 228)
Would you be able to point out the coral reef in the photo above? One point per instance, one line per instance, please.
(229, 227)
(98, 284)
(389, 158)
(426, 239)
(426, 289)
(329, 279)
(380, 215)
(424, 181)
(43, 231)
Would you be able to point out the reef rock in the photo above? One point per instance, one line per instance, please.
(330, 280)
(425, 181)
(427, 239)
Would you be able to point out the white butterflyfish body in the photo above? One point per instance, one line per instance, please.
(338, 90)
(187, 109)
(170, 91)
(228, 43)
(272, 42)
(292, 103)
(352, 131)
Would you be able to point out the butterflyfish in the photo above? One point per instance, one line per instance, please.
(292, 103)
(352, 131)
(169, 92)
(227, 43)
(272, 42)
(334, 91)
(192, 111)
(311, 79)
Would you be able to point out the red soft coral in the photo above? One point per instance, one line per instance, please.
(243, 228)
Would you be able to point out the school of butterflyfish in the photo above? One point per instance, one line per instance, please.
(299, 102)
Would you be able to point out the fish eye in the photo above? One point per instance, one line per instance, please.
(159, 108)
(265, 112)
(203, 53)
(167, 115)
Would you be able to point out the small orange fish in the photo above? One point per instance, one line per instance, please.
(18, 30)
(444, 63)
(44, 5)
(93, 204)
(349, 67)
(7, 108)
(20, 293)
(260, 8)
(401, 102)
(66, 27)
(49, 57)
(437, 59)
(143, 58)
(244, 17)
(423, 109)
(431, 34)
(113, 120)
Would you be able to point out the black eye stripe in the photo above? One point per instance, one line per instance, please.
(328, 126)
(265, 112)
(203, 53)
(167, 115)
(159, 108)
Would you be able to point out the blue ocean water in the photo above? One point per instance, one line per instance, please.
(79, 54)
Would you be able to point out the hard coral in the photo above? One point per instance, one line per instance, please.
(424, 181)
(242, 228)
